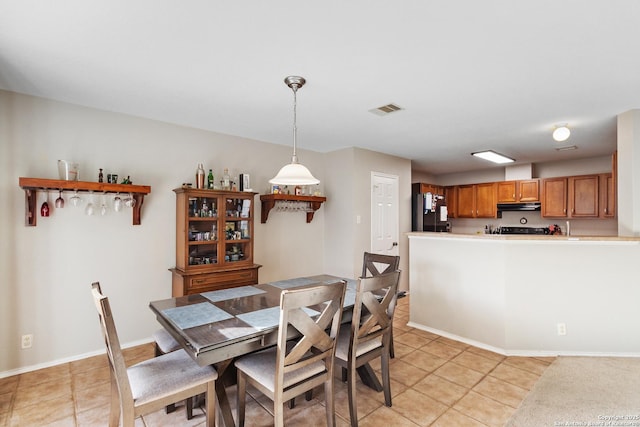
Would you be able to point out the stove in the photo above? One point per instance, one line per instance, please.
(523, 230)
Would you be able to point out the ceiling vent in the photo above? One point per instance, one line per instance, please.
(567, 148)
(385, 109)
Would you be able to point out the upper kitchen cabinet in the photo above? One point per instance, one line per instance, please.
(583, 196)
(571, 197)
(554, 198)
(450, 198)
(518, 191)
(421, 187)
(476, 200)
(607, 196)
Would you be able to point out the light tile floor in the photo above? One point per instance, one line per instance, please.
(436, 382)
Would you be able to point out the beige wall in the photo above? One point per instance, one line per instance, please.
(46, 271)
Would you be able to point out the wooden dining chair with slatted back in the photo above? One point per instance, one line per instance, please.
(375, 264)
(297, 365)
(153, 384)
(369, 336)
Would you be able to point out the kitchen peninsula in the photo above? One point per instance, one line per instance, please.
(528, 295)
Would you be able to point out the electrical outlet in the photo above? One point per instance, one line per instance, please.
(562, 329)
(27, 341)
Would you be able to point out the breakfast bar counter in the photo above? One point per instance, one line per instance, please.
(528, 295)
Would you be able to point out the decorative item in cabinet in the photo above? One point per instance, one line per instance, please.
(214, 240)
(31, 185)
(308, 204)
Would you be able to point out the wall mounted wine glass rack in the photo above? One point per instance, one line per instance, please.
(32, 185)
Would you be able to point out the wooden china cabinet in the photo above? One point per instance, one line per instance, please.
(214, 241)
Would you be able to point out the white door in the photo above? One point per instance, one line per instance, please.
(385, 228)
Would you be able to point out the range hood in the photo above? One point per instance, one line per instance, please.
(520, 207)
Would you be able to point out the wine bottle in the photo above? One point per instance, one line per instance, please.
(200, 176)
(226, 180)
(210, 180)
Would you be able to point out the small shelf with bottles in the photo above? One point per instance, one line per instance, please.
(302, 203)
(214, 240)
(32, 185)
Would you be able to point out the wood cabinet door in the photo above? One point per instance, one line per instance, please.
(486, 200)
(607, 196)
(554, 197)
(506, 191)
(451, 198)
(528, 190)
(466, 201)
(583, 196)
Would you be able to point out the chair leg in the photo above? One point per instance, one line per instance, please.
(189, 404)
(392, 353)
(344, 374)
(292, 403)
(351, 389)
(278, 413)
(210, 403)
(308, 395)
(242, 389)
(386, 383)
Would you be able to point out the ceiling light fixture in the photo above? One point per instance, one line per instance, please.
(492, 156)
(294, 173)
(561, 132)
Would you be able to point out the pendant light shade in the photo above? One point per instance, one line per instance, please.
(294, 173)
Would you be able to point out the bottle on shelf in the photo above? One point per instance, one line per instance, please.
(100, 176)
(200, 176)
(210, 180)
(226, 180)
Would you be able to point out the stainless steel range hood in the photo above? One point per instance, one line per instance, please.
(519, 207)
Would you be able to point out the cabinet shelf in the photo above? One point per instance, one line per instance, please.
(31, 185)
(269, 202)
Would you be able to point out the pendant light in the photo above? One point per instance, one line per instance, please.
(294, 173)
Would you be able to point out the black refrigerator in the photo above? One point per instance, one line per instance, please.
(430, 213)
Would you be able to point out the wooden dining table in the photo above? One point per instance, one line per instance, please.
(217, 326)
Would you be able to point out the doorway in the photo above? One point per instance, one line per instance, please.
(385, 227)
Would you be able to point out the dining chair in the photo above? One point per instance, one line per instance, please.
(165, 343)
(304, 354)
(375, 264)
(152, 384)
(369, 336)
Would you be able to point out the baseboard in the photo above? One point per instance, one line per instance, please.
(49, 364)
(520, 353)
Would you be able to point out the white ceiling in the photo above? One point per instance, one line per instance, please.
(470, 74)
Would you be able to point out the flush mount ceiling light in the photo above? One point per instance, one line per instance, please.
(492, 156)
(294, 173)
(561, 132)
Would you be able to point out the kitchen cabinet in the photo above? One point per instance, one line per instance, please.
(571, 197)
(554, 198)
(518, 191)
(421, 187)
(214, 241)
(584, 196)
(476, 200)
(607, 196)
(450, 198)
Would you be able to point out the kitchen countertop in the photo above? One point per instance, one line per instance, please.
(561, 237)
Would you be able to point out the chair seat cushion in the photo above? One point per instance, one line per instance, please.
(342, 345)
(165, 342)
(166, 374)
(261, 366)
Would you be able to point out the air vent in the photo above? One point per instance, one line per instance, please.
(570, 147)
(385, 109)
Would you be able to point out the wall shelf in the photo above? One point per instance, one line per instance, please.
(32, 185)
(269, 202)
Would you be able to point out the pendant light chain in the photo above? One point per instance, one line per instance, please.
(294, 87)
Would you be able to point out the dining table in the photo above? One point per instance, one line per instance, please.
(218, 326)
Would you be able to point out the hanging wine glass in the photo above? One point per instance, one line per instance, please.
(129, 201)
(75, 199)
(103, 205)
(89, 209)
(44, 209)
(59, 201)
(117, 203)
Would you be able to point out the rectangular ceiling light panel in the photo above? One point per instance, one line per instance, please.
(494, 157)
